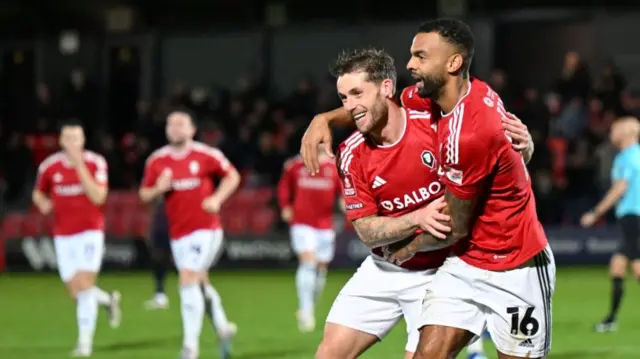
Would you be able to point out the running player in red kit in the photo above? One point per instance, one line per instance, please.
(503, 273)
(307, 204)
(73, 184)
(388, 171)
(182, 172)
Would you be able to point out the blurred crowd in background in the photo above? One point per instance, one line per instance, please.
(259, 129)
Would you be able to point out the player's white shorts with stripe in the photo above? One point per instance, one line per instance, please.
(378, 295)
(319, 241)
(198, 250)
(515, 305)
(80, 252)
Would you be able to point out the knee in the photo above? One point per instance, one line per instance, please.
(82, 281)
(330, 349)
(189, 277)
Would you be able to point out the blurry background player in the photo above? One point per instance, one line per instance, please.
(624, 194)
(182, 172)
(307, 204)
(73, 184)
(160, 248)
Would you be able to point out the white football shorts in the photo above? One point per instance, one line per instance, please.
(198, 250)
(515, 305)
(378, 295)
(80, 252)
(319, 241)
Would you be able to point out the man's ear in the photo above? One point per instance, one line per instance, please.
(387, 88)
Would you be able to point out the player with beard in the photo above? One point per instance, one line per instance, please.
(320, 133)
(362, 314)
(503, 273)
(182, 172)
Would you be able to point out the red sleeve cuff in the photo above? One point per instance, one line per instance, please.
(352, 215)
(465, 192)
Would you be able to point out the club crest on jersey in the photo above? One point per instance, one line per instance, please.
(428, 159)
(57, 177)
(194, 167)
(349, 188)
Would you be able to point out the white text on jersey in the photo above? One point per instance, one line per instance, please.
(186, 184)
(413, 198)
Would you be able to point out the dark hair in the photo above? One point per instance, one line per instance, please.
(186, 111)
(376, 63)
(70, 122)
(457, 33)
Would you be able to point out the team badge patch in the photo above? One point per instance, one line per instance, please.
(349, 188)
(194, 167)
(428, 159)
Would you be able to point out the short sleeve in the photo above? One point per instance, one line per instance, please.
(621, 171)
(358, 199)
(217, 163)
(412, 101)
(151, 173)
(43, 179)
(101, 173)
(469, 160)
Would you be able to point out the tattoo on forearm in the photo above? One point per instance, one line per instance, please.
(377, 231)
(461, 212)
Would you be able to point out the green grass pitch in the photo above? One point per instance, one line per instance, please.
(37, 319)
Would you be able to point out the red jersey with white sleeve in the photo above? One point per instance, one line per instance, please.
(192, 170)
(478, 161)
(312, 198)
(393, 180)
(73, 211)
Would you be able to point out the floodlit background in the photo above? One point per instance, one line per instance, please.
(255, 73)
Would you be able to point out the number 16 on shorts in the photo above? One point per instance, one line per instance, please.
(523, 322)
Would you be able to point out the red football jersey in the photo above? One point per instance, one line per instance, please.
(478, 161)
(312, 198)
(73, 212)
(192, 181)
(393, 180)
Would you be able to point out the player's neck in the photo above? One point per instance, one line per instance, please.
(179, 148)
(391, 131)
(628, 143)
(452, 93)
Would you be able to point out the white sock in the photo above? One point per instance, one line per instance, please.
(476, 347)
(87, 315)
(102, 297)
(219, 316)
(321, 280)
(305, 283)
(192, 305)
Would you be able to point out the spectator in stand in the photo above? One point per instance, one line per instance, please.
(608, 86)
(574, 81)
(16, 171)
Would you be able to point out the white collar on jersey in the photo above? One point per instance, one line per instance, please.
(182, 153)
(404, 129)
(460, 100)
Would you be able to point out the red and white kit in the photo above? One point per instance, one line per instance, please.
(196, 235)
(504, 276)
(78, 228)
(389, 181)
(313, 200)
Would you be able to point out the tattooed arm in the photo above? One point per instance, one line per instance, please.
(376, 231)
(461, 212)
